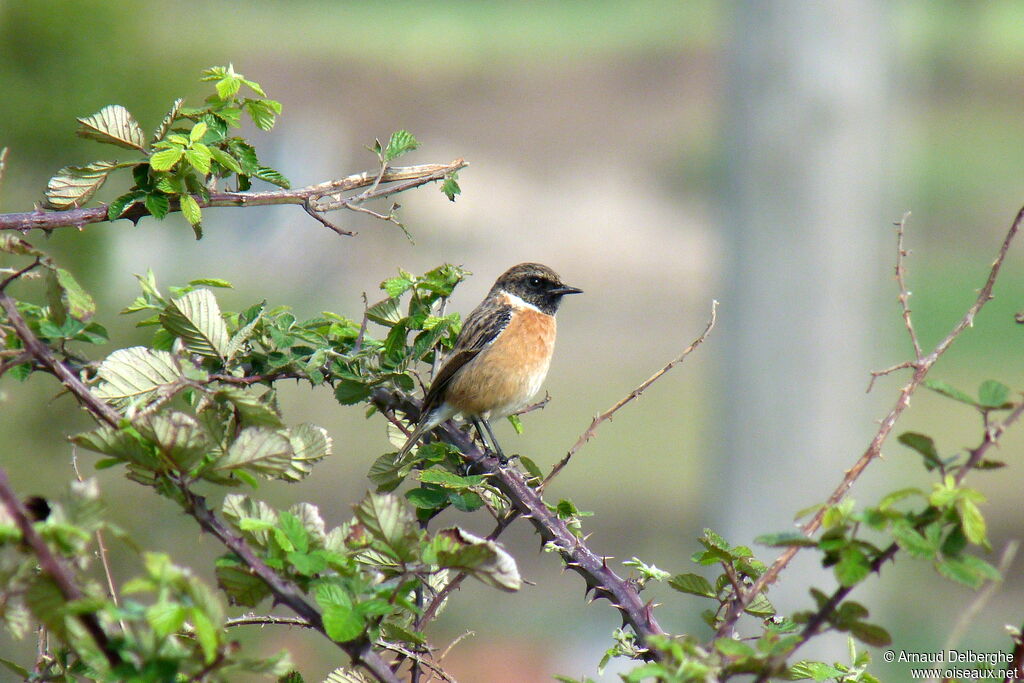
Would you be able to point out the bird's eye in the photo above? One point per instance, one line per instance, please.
(534, 282)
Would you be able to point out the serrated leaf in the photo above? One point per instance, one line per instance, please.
(448, 479)
(258, 450)
(197, 132)
(114, 125)
(135, 373)
(734, 648)
(168, 121)
(343, 623)
(346, 676)
(401, 141)
(956, 569)
(871, 634)
(450, 186)
(310, 444)
(973, 522)
(66, 297)
(427, 499)
(120, 445)
(388, 521)
(485, 560)
(165, 617)
(225, 159)
(165, 159)
(819, 671)
(243, 588)
(158, 204)
(853, 566)
(396, 286)
(178, 436)
(911, 540)
(196, 319)
(950, 391)
(118, 206)
(253, 410)
(191, 211)
(898, 495)
(993, 394)
(694, 584)
(211, 282)
(786, 538)
(923, 444)
(272, 176)
(74, 186)
(385, 312)
(198, 156)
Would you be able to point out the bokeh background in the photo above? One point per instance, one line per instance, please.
(658, 154)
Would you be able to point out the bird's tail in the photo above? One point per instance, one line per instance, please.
(421, 429)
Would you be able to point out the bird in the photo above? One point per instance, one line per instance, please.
(500, 357)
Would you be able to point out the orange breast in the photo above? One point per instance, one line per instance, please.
(506, 375)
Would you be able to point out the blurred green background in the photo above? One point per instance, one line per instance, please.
(610, 141)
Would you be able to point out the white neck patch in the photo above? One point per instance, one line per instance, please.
(518, 302)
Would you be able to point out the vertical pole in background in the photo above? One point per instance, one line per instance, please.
(806, 100)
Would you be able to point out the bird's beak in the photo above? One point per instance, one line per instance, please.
(565, 289)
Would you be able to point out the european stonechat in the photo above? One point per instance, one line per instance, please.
(500, 357)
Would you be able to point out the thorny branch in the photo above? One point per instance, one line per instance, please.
(315, 199)
(527, 502)
(921, 368)
(589, 432)
(52, 566)
(284, 592)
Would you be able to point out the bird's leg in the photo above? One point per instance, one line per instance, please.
(497, 447)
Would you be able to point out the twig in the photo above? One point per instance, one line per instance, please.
(417, 659)
(52, 566)
(904, 295)
(589, 432)
(455, 642)
(990, 439)
(875, 374)
(413, 176)
(101, 410)
(104, 561)
(921, 368)
(266, 620)
(539, 405)
(554, 533)
(18, 273)
(312, 211)
(436, 365)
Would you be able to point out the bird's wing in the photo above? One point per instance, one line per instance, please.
(479, 331)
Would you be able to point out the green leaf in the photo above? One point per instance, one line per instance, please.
(485, 560)
(973, 522)
(190, 210)
(158, 204)
(178, 436)
(66, 297)
(388, 521)
(207, 633)
(225, 159)
(272, 176)
(427, 498)
(211, 282)
(243, 588)
(165, 159)
(401, 141)
(196, 319)
(450, 186)
(119, 444)
(74, 186)
(198, 156)
(694, 584)
(169, 119)
(396, 286)
(819, 671)
(734, 648)
(956, 569)
(448, 479)
(786, 538)
(949, 390)
(310, 444)
(871, 634)
(853, 566)
(165, 618)
(385, 312)
(923, 444)
(911, 540)
(993, 394)
(113, 125)
(258, 450)
(898, 495)
(343, 623)
(197, 132)
(263, 112)
(253, 410)
(135, 373)
(350, 391)
(120, 205)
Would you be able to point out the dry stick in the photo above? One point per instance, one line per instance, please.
(554, 533)
(266, 620)
(52, 566)
(921, 368)
(413, 176)
(104, 560)
(990, 439)
(284, 592)
(588, 434)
